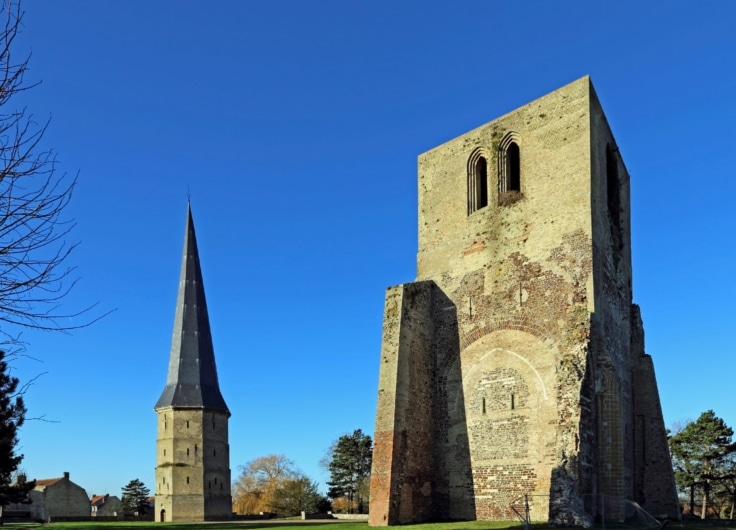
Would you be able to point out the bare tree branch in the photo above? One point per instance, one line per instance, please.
(34, 235)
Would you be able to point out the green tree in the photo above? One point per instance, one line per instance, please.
(13, 488)
(349, 463)
(297, 495)
(700, 454)
(724, 491)
(134, 498)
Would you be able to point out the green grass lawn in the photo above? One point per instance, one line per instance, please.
(711, 524)
(260, 525)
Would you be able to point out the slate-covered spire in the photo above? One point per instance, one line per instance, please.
(192, 380)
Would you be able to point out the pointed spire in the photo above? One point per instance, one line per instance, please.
(192, 379)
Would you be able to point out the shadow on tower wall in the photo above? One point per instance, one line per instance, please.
(454, 497)
(573, 484)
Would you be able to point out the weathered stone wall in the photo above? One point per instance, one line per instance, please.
(508, 380)
(193, 471)
(530, 325)
(610, 344)
(216, 462)
(519, 275)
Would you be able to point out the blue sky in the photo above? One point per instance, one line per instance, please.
(295, 126)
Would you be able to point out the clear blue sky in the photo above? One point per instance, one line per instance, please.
(295, 126)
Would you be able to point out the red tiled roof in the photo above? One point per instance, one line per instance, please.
(98, 499)
(47, 481)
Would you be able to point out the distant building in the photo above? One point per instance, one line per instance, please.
(55, 497)
(105, 505)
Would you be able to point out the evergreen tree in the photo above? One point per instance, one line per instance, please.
(134, 498)
(350, 469)
(700, 454)
(12, 416)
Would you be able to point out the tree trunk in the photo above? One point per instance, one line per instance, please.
(692, 499)
(704, 509)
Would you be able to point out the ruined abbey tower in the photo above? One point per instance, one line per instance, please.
(514, 365)
(192, 451)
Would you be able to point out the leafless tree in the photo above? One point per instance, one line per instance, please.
(254, 489)
(35, 274)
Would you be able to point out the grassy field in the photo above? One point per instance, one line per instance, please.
(260, 525)
(711, 524)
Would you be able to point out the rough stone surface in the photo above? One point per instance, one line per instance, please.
(193, 471)
(515, 364)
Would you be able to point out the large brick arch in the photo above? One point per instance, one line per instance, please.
(508, 393)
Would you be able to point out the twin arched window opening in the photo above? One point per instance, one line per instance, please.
(509, 174)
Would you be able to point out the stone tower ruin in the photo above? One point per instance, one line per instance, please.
(192, 451)
(514, 365)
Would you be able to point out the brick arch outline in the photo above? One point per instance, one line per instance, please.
(517, 322)
(536, 331)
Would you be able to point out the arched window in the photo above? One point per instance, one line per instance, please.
(513, 171)
(509, 166)
(477, 181)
